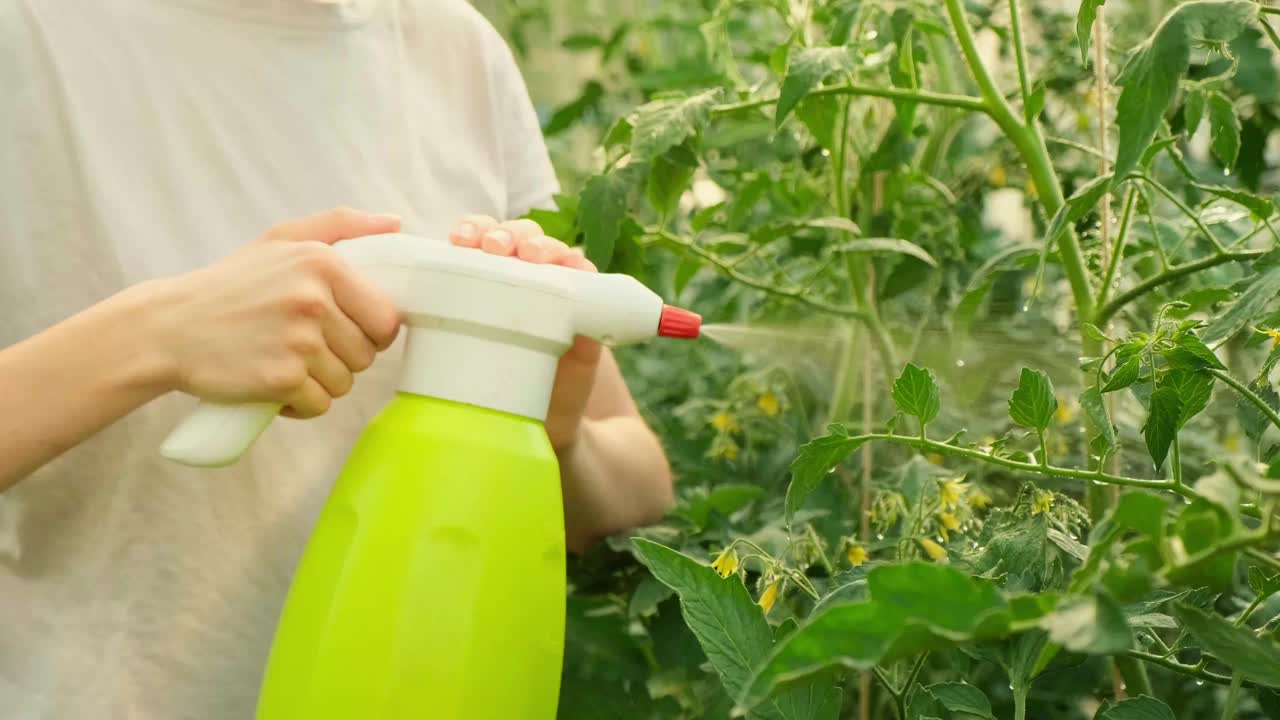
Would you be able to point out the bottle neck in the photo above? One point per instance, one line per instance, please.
(500, 370)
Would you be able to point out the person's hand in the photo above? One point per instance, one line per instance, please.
(577, 371)
(283, 319)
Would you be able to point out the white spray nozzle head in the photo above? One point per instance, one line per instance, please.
(482, 329)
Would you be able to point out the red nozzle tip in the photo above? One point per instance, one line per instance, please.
(679, 323)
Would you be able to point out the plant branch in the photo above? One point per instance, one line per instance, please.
(1092, 475)
(1117, 249)
(1019, 51)
(1111, 308)
(1182, 207)
(1170, 664)
(733, 273)
(1031, 147)
(1247, 394)
(924, 97)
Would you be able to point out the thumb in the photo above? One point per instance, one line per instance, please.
(330, 226)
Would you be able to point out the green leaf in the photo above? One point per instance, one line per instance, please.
(1162, 423)
(1035, 103)
(600, 213)
(1263, 584)
(808, 67)
(1199, 527)
(892, 245)
(1256, 658)
(1149, 79)
(815, 460)
(902, 617)
(1193, 390)
(1193, 111)
(662, 124)
(960, 697)
(1260, 207)
(1251, 418)
(983, 279)
(1250, 305)
(647, 596)
(1093, 625)
(1084, 26)
(819, 113)
(1033, 403)
(688, 267)
(1143, 707)
(732, 631)
(915, 392)
(1124, 375)
(902, 66)
(1104, 439)
(1224, 129)
(724, 499)
(669, 177)
(1190, 353)
(1092, 331)
(566, 115)
(582, 41)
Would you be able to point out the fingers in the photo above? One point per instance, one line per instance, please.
(309, 400)
(330, 226)
(521, 238)
(348, 342)
(330, 372)
(468, 232)
(371, 310)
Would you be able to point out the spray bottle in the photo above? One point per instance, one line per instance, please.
(433, 584)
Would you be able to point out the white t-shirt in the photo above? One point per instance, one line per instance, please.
(142, 138)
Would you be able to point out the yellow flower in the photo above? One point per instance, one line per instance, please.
(1065, 412)
(979, 499)
(933, 550)
(769, 597)
(1042, 501)
(768, 404)
(726, 563)
(725, 448)
(998, 177)
(1030, 189)
(934, 458)
(947, 522)
(951, 492)
(1231, 442)
(725, 422)
(857, 555)
(1274, 334)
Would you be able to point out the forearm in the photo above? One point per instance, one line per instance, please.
(70, 381)
(615, 477)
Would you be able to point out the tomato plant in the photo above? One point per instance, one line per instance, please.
(996, 433)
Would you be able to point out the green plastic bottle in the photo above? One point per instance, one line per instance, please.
(433, 585)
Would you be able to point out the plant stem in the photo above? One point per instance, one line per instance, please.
(1233, 695)
(1074, 473)
(1020, 54)
(1244, 616)
(1044, 450)
(1136, 680)
(1174, 665)
(1177, 461)
(924, 97)
(1168, 194)
(726, 267)
(1113, 306)
(1117, 249)
(1247, 394)
(1020, 703)
(1031, 147)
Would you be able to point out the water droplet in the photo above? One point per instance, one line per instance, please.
(1026, 306)
(826, 152)
(1010, 686)
(1123, 686)
(1099, 483)
(1226, 171)
(1199, 683)
(959, 362)
(831, 471)
(879, 536)
(872, 34)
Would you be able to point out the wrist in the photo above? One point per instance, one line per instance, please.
(149, 363)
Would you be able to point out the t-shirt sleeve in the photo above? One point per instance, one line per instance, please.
(530, 177)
